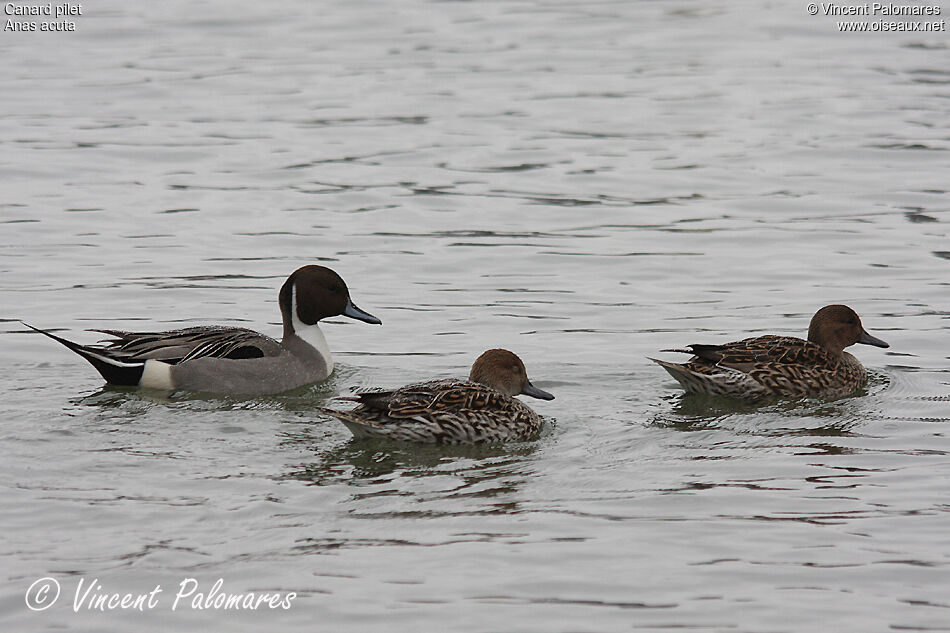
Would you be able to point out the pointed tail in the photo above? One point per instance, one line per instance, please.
(683, 376)
(357, 427)
(724, 382)
(114, 370)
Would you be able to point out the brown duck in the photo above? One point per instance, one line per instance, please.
(452, 411)
(781, 365)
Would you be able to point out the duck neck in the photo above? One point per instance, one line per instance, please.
(312, 335)
(833, 348)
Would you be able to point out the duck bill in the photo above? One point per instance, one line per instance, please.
(355, 313)
(534, 392)
(867, 339)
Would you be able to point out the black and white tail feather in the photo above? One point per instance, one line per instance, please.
(115, 366)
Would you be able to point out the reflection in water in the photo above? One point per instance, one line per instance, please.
(368, 461)
(776, 424)
(775, 416)
(302, 399)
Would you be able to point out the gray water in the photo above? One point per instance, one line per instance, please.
(584, 183)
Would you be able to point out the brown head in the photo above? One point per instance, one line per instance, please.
(836, 327)
(317, 293)
(504, 371)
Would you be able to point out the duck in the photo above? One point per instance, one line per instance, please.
(481, 409)
(231, 360)
(782, 366)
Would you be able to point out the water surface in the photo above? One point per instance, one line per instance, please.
(582, 183)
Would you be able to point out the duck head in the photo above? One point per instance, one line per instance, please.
(836, 327)
(503, 370)
(316, 292)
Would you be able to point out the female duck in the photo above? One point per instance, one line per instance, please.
(781, 365)
(230, 360)
(452, 411)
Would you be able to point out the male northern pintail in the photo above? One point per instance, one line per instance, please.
(231, 360)
(781, 365)
(480, 409)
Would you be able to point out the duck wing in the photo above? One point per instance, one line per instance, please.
(435, 397)
(177, 346)
(747, 354)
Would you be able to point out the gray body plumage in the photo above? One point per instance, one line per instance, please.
(284, 365)
(229, 360)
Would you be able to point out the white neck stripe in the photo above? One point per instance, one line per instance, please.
(312, 335)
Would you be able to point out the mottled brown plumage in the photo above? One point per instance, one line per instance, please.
(781, 365)
(452, 411)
